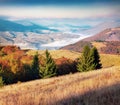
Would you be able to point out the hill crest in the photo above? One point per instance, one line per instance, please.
(106, 41)
(111, 34)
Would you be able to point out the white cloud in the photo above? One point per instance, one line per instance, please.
(56, 12)
(64, 42)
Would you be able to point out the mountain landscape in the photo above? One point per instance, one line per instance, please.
(59, 52)
(35, 34)
(74, 87)
(107, 41)
(32, 35)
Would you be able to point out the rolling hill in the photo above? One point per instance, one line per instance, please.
(102, 26)
(101, 87)
(111, 34)
(108, 38)
(56, 54)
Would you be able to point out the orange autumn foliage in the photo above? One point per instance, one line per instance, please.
(10, 49)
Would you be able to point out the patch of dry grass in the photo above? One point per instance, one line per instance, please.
(107, 60)
(58, 53)
(101, 87)
(98, 45)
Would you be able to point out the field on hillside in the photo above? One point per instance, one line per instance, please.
(58, 53)
(100, 87)
(98, 45)
(107, 60)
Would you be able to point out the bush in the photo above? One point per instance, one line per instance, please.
(65, 66)
(9, 77)
(1, 81)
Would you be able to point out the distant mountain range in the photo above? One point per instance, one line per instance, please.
(101, 27)
(43, 34)
(108, 38)
(111, 34)
(6, 25)
(30, 35)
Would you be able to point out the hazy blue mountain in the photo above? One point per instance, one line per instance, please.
(6, 25)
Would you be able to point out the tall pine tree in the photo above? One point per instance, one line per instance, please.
(95, 58)
(35, 67)
(84, 61)
(49, 68)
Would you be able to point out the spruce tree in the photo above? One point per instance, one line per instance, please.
(35, 67)
(86, 52)
(95, 58)
(49, 68)
(84, 63)
(89, 60)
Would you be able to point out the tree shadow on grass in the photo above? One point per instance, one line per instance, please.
(105, 96)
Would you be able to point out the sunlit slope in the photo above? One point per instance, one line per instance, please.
(100, 87)
(58, 53)
(107, 60)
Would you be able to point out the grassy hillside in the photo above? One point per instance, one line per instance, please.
(98, 45)
(100, 87)
(58, 53)
(107, 60)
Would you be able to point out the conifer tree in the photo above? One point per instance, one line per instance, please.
(95, 58)
(90, 60)
(35, 67)
(84, 61)
(49, 68)
(86, 52)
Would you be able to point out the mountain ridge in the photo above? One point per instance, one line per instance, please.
(6, 25)
(111, 34)
(109, 40)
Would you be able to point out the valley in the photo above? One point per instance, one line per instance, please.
(51, 34)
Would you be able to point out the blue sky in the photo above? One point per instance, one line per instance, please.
(60, 8)
(56, 1)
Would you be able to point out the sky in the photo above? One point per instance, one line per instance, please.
(56, 1)
(60, 8)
